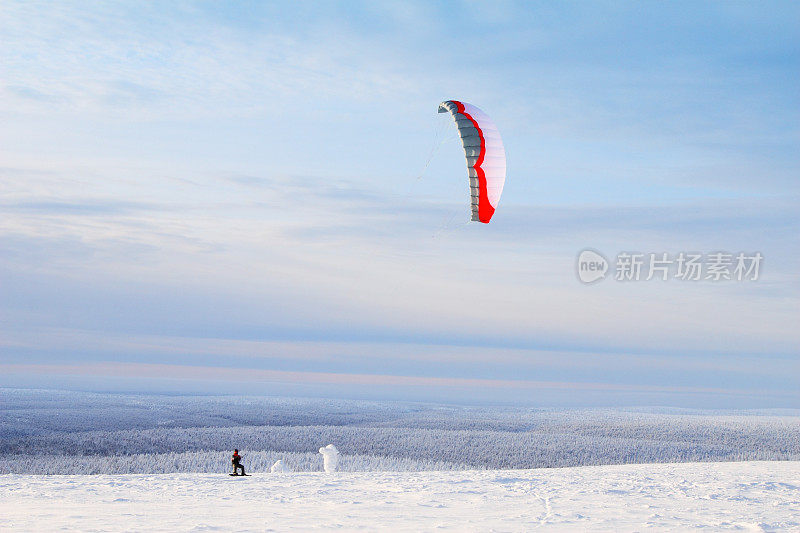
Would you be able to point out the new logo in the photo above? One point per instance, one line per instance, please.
(591, 266)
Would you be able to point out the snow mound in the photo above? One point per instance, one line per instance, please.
(278, 467)
(330, 457)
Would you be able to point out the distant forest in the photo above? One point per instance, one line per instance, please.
(55, 432)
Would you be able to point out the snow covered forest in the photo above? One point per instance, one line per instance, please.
(56, 432)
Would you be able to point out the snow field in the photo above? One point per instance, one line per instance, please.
(751, 496)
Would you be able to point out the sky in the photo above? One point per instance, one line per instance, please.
(260, 198)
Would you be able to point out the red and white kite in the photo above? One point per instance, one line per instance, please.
(486, 157)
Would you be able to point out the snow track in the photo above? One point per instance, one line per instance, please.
(752, 496)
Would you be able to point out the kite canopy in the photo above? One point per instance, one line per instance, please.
(486, 157)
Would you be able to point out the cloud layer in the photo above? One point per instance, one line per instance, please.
(246, 188)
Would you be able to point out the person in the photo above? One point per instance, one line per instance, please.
(237, 463)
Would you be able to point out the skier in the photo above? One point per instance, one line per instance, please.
(236, 459)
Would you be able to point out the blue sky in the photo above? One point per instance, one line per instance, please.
(218, 197)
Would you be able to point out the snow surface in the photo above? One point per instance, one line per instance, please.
(747, 496)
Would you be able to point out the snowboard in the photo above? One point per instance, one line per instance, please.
(239, 475)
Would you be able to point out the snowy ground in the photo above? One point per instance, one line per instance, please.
(738, 496)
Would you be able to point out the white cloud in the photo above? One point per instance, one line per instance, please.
(137, 61)
(352, 259)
